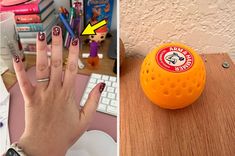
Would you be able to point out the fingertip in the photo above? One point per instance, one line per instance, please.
(98, 89)
(56, 30)
(75, 42)
(74, 46)
(57, 36)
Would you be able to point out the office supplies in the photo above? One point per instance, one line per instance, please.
(8, 34)
(66, 24)
(71, 22)
(108, 102)
(79, 20)
(93, 143)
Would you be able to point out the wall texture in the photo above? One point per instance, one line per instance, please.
(208, 26)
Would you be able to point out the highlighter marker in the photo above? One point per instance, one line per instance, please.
(67, 26)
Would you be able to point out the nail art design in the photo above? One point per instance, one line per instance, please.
(16, 58)
(75, 41)
(13, 51)
(41, 36)
(56, 31)
(102, 86)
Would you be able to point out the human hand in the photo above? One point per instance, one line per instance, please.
(53, 119)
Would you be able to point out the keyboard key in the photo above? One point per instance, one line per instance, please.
(110, 89)
(104, 94)
(111, 95)
(114, 84)
(93, 80)
(100, 81)
(105, 101)
(105, 77)
(108, 101)
(83, 102)
(112, 110)
(113, 103)
(86, 95)
(108, 83)
(97, 76)
(114, 79)
(88, 90)
(91, 85)
(102, 107)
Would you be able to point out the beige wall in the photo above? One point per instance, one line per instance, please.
(205, 25)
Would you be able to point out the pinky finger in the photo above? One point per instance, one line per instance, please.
(26, 87)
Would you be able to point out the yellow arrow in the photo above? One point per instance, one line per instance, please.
(90, 29)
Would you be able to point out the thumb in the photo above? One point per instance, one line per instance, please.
(92, 102)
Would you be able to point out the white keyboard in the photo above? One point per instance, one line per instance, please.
(108, 101)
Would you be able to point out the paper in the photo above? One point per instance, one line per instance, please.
(4, 112)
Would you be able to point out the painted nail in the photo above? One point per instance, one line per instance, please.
(102, 86)
(16, 58)
(56, 31)
(41, 36)
(75, 41)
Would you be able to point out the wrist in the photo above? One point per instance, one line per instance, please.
(35, 147)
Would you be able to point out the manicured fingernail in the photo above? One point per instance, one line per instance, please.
(56, 31)
(16, 58)
(75, 41)
(102, 86)
(41, 36)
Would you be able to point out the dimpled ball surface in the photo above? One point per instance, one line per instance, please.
(173, 76)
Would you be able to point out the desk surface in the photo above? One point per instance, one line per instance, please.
(205, 128)
(105, 64)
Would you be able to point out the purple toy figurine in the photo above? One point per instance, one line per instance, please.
(93, 59)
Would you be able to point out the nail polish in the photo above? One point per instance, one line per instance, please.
(16, 58)
(56, 31)
(102, 86)
(41, 36)
(75, 41)
(13, 51)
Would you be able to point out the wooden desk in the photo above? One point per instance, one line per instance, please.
(206, 128)
(105, 64)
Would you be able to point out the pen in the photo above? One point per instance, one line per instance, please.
(66, 24)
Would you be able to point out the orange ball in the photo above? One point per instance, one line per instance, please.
(173, 76)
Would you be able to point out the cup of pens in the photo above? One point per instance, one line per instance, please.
(8, 40)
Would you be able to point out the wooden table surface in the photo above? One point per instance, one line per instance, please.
(105, 64)
(206, 128)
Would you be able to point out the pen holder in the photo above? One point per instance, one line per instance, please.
(173, 76)
(8, 39)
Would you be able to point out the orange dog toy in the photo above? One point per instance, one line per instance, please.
(173, 76)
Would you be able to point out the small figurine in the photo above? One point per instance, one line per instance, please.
(95, 41)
